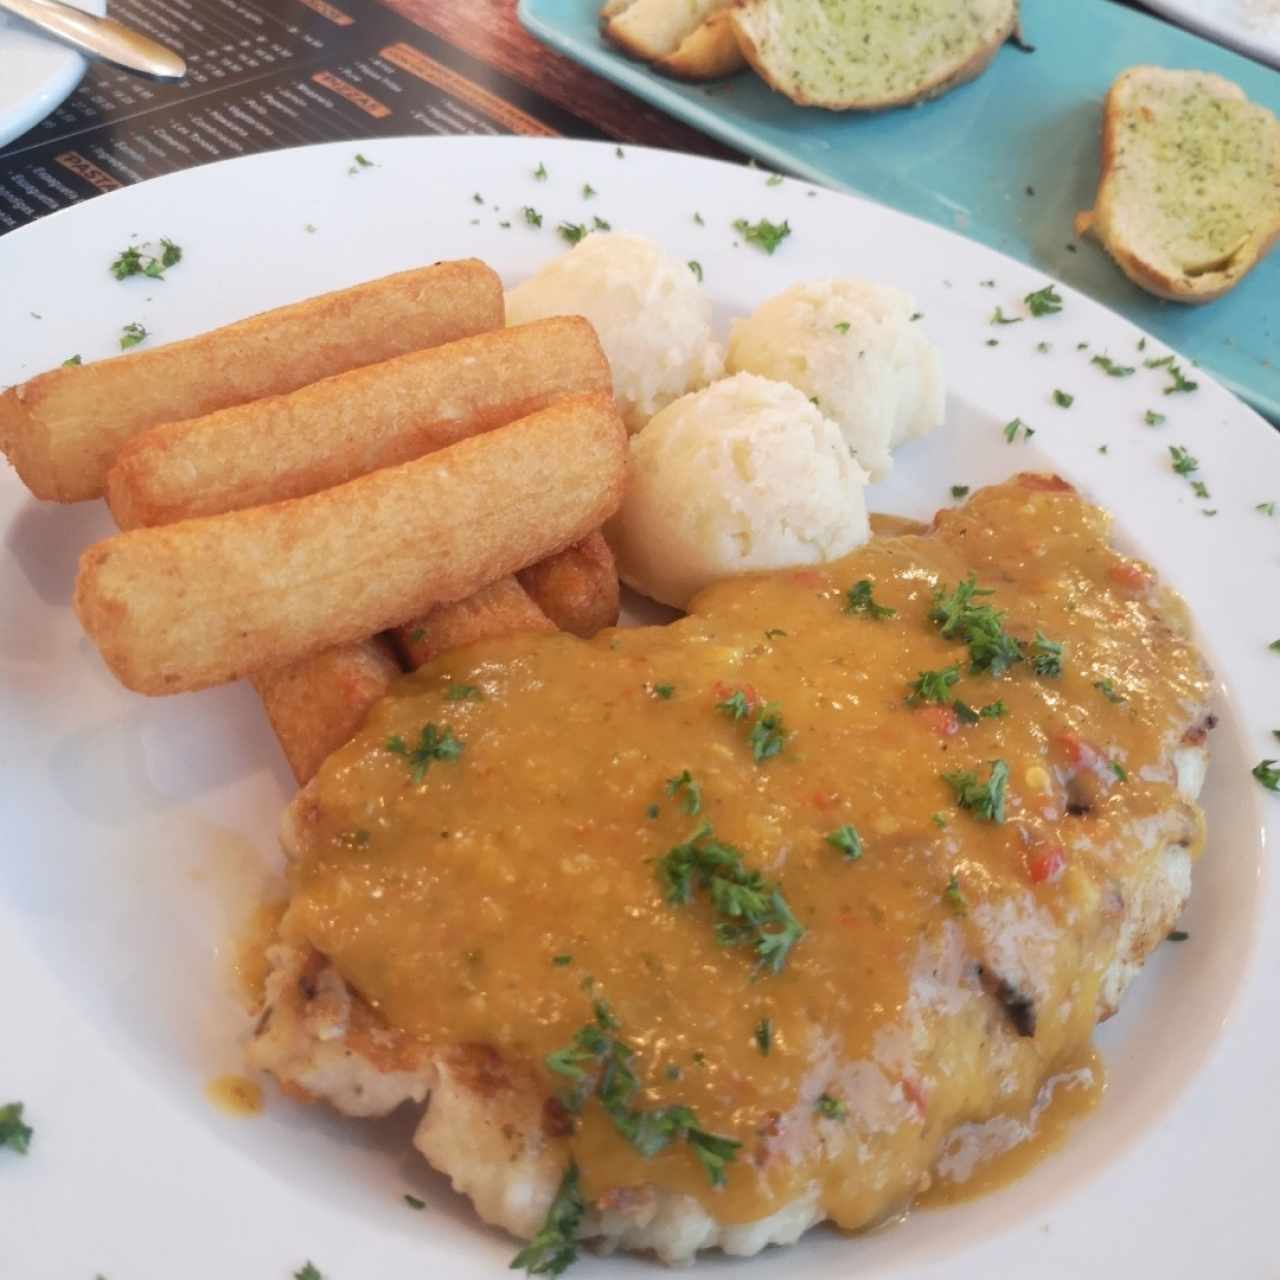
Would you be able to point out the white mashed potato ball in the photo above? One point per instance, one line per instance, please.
(745, 475)
(853, 345)
(652, 315)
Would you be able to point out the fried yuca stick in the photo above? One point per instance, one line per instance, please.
(317, 704)
(62, 429)
(331, 431)
(196, 603)
(578, 589)
(503, 608)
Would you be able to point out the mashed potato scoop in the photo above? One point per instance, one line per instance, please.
(858, 349)
(745, 475)
(652, 316)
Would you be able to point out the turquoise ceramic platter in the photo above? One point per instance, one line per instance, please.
(1007, 159)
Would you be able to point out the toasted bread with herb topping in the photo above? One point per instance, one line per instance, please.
(865, 55)
(1189, 198)
(690, 39)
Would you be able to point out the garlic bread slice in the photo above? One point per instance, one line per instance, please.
(1189, 197)
(865, 55)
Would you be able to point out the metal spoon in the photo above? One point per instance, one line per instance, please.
(103, 38)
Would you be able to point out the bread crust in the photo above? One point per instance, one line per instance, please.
(970, 69)
(709, 51)
(1100, 221)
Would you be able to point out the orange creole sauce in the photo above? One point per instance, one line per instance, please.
(495, 900)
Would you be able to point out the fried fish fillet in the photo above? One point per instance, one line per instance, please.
(972, 991)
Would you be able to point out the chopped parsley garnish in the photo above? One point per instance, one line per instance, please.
(774, 180)
(1177, 935)
(993, 709)
(1011, 430)
(914, 316)
(764, 1035)
(1046, 656)
(1119, 770)
(477, 198)
(1042, 347)
(696, 267)
(600, 224)
(308, 1271)
(954, 897)
(664, 691)
(697, 217)
(858, 599)
(848, 841)
(1152, 418)
(1266, 773)
(463, 693)
(932, 686)
(1199, 488)
(1156, 362)
(735, 706)
(587, 191)
(1044, 302)
(531, 216)
(1108, 690)
(1179, 382)
(1183, 463)
(540, 173)
(939, 820)
(767, 735)
(959, 490)
(999, 317)
(413, 1202)
(979, 626)
(692, 797)
(829, 1107)
(965, 713)
(134, 262)
(764, 234)
(1274, 646)
(842, 326)
(14, 1135)
(599, 1063)
(433, 744)
(72, 361)
(1267, 508)
(555, 1247)
(652, 811)
(1109, 367)
(984, 800)
(363, 161)
(561, 961)
(132, 334)
(571, 231)
(993, 342)
(618, 151)
(773, 633)
(755, 912)
(1062, 399)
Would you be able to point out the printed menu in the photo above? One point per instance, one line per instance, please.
(262, 74)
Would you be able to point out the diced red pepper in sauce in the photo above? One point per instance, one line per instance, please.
(916, 1095)
(942, 720)
(809, 578)
(1046, 864)
(1133, 577)
(825, 800)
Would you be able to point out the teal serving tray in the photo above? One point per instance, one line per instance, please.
(1008, 159)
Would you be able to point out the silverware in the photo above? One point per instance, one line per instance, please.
(103, 38)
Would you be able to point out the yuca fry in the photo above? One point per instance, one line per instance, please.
(317, 704)
(193, 604)
(345, 426)
(63, 429)
(578, 589)
(502, 608)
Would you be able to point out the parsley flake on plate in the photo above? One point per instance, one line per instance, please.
(413, 1202)
(1266, 773)
(555, 1247)
(599, 224)
(985, 800)
(1267, 508)
(1011, 430)
(1110, 368)
(308, 1271)
(999, 317)
(14, 1134)
(531, 215)
(932, 686)
(842, 326)
(540, 173)
(959, 491)
(135, 262)
(696, 267)
(132, 334)
(587, 191)
(1152, 418)
(1063, 399)
(764, 234)
(754, 911)
(571, 232)
(859, 599)
(433, 744)
(692, 797)
(847, 840)
(1179, 382)
(1181, 461)
(1044, 302)
(71, 361)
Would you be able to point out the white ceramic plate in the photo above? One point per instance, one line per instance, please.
(136, 831)
(1251, 26)
(37, 72)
